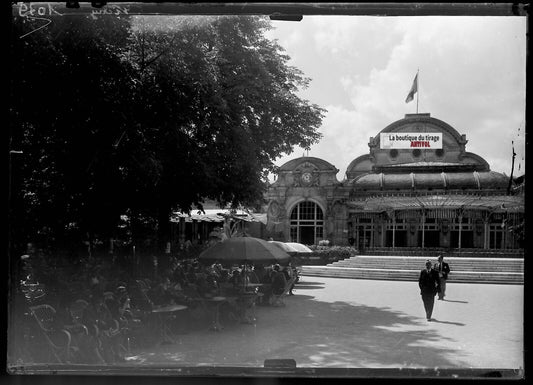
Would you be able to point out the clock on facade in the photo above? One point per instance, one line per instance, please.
(306, 177)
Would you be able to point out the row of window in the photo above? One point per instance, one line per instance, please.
(416, 153)
(307, 226)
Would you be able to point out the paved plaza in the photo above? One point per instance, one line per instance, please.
(348, 323)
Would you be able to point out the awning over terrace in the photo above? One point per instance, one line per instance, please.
(219, 215)
(438, 203)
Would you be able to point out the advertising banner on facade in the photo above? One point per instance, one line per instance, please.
(405, 140)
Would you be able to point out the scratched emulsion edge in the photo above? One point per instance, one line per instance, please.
(44, 12)
(41, 12)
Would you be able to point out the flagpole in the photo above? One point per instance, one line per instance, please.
(512, 169)
(417, 88)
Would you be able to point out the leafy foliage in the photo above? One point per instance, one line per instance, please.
(330, 254)
(146, 115)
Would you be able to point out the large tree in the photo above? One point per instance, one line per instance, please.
(66, 107)
(148, 115)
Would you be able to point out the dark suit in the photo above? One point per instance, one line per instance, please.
(443, 269)
(429, 286)
(278, 282)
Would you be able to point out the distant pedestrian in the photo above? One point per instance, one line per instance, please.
(429, 286)
(443, 269)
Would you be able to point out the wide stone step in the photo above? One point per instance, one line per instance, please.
(410, 279)
(415, 263)
(462, 265)
(333, 268)
(434, 257)
(418, 269)
(407, 268)
(418, 257)
(480, 253)
(454, 267)
(411, 275)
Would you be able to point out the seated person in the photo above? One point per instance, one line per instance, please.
(212, 282)
(224, 275)
(179, 275)
(236, 279)
(287, 272)
(168, 292)
(206, 285)
(217, 267)
(191, 274)
(251, 275)
(278, 280)
(159, 294)
(267, 274)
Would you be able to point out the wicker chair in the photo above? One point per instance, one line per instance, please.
(58, 339)
(277, 299)
(76, 310)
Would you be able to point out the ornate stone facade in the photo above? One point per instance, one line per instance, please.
(445, 197)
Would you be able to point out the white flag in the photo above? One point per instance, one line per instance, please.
(413, 91)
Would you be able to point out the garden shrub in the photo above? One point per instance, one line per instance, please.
(330, 254)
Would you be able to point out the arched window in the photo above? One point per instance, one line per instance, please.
(307, 223)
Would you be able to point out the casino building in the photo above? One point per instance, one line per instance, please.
(443, 197)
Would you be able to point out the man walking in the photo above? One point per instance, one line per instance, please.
(429, 286)
(443, 269)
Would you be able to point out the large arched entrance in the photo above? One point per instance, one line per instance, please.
(307, 223)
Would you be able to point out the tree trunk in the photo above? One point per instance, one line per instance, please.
(163, 228)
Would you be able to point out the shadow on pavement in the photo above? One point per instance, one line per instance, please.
(315, 334)
(447, 322)
(342, 334)
(449, 300)
(307, 287)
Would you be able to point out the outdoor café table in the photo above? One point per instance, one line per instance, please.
(254, 285)
(164, 314)
(262, 289)
(216, 302)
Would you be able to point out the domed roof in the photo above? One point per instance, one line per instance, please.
(424, 120)
(369, 182)
(430, 180)
(462, 180)
(451, 154)
(485, 180)
(320, 164)
(397, 181)
(492, 180)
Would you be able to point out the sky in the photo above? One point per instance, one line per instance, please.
(472, 75)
